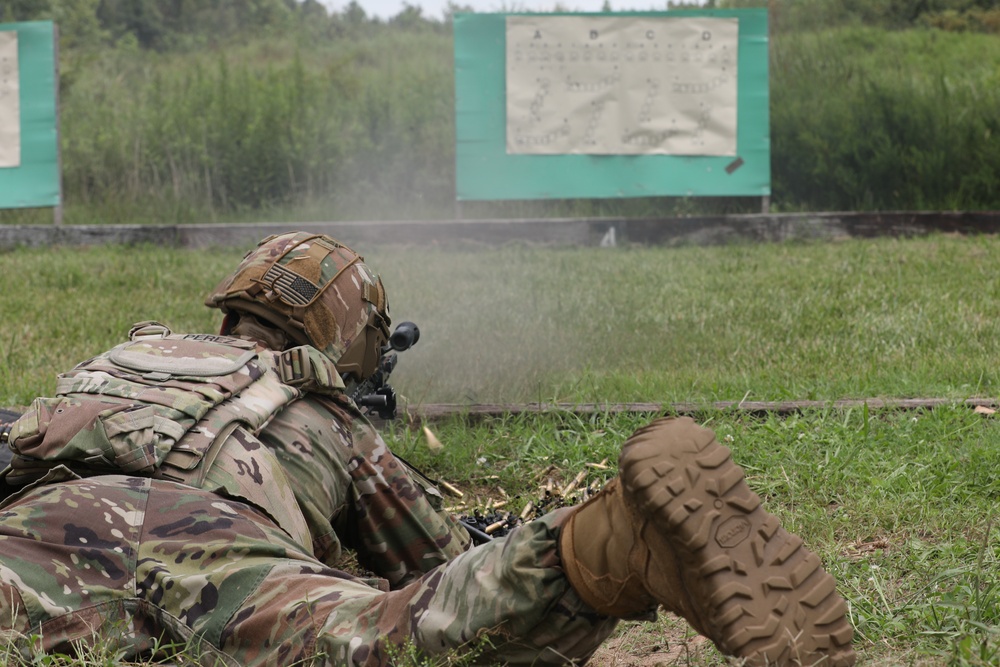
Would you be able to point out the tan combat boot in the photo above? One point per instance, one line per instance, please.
(680, 528)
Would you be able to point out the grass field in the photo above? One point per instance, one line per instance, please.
(765, 322)
(901, 505)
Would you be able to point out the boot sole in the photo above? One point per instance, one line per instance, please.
(763, 595)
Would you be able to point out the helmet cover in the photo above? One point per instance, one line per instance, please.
(318, 291)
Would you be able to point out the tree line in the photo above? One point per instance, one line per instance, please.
(171, 24)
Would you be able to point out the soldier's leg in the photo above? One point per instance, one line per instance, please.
(508, 600)
(67, 573)
(354, 490)
(679, 528)
(238, 582)
(171, 563)
(57, 560)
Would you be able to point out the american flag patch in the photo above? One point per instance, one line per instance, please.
(292, 288)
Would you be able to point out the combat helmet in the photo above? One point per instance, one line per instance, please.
(316, 291)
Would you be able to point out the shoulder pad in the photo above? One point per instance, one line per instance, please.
(192, 355)
(306, 368)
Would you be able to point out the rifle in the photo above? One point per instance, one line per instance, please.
(374, 394)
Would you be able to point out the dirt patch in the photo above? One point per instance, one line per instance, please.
(668, 641)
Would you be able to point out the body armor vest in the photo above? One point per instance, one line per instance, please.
(162, 405)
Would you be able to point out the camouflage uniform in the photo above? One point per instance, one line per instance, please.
(142, 562)
(244, 565)
(200, 488)
(352, 490)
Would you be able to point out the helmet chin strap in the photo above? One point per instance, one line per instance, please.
(227, 324)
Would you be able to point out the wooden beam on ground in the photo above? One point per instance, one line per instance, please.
(440, 411)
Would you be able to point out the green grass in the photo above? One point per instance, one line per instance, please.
(901, 505)
(824, 321)
(821, 321)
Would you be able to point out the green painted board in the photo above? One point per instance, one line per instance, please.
(486, 171)
(34, 181)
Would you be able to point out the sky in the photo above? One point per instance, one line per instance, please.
(434, 9)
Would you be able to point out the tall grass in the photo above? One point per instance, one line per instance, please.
(870, 119)
(183, 135)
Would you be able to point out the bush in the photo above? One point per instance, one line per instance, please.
(869, 119)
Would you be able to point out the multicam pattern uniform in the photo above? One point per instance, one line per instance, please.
(353, 491)
(140, 560)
